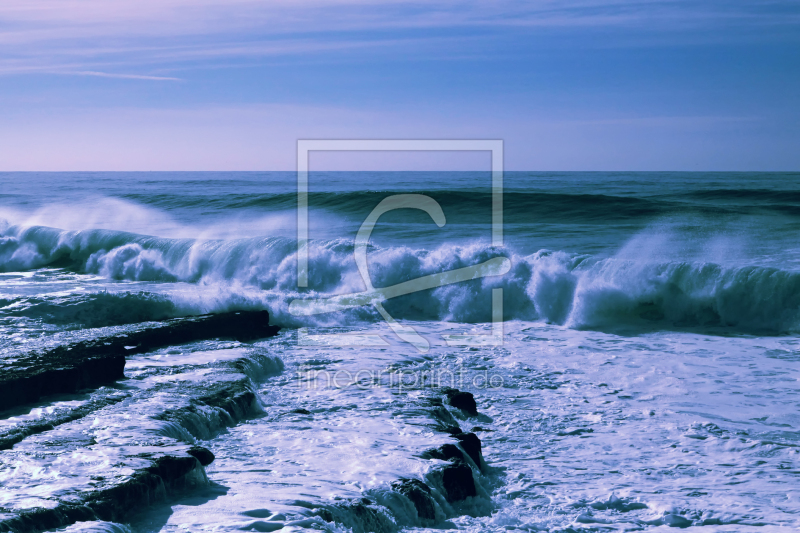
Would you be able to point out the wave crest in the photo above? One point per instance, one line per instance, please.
(572, 290)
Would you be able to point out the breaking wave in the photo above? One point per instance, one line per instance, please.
(576, 291)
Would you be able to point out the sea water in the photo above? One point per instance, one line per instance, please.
(646, 375)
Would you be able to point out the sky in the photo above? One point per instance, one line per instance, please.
(233, 84)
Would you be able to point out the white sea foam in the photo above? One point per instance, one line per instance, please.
(645, 290)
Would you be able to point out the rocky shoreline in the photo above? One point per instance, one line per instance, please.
(128, 448)
(435, 498)
(139, 444)
(28, 377)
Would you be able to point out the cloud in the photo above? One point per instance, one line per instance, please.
(153, 40)
(154, 36)
(121, 76)
(53, 21)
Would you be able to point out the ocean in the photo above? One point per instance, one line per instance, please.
(644, 374)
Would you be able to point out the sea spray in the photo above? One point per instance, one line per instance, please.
(575, 290)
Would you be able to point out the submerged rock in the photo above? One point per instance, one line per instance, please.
(445, 421)
(360, 517)
(419, 494)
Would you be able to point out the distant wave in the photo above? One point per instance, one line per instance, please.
(576, 291)
(750, 196)
(455, 203)
(232, 216)
(517, 204)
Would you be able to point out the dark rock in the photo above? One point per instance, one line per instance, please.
(86, 364)
(419, 494)
(458, 482)
(62, 370)
(301, 411)
(445, 421)
(479, 428)
(472, 445)
(240, 325)
(44, 519)
(170, 467)
(452, 430)
(461, 400)
(464, 401)
(113, 503)
(204, 455)
(445, 452)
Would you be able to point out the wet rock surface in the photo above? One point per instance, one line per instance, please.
(61, 370)
(455, 481)
(461, 400)
(445, 452)
(111, 496)
(14, 434)
(91, 363)
(360, 517)
(181, 406)
(204, 455)
(458, 482)
(132, 452)
(471, 444)
(420, 495)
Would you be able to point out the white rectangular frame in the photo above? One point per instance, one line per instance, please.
(495, 146)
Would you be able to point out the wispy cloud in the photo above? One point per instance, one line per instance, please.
(112, 38)
(103, 61)
(120, 76)
(96, 25)
(185, 17)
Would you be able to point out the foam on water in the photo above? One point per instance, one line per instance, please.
(648, 376)
(639, 286)
(582, 430)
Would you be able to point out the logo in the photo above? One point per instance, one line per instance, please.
(373, 296)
